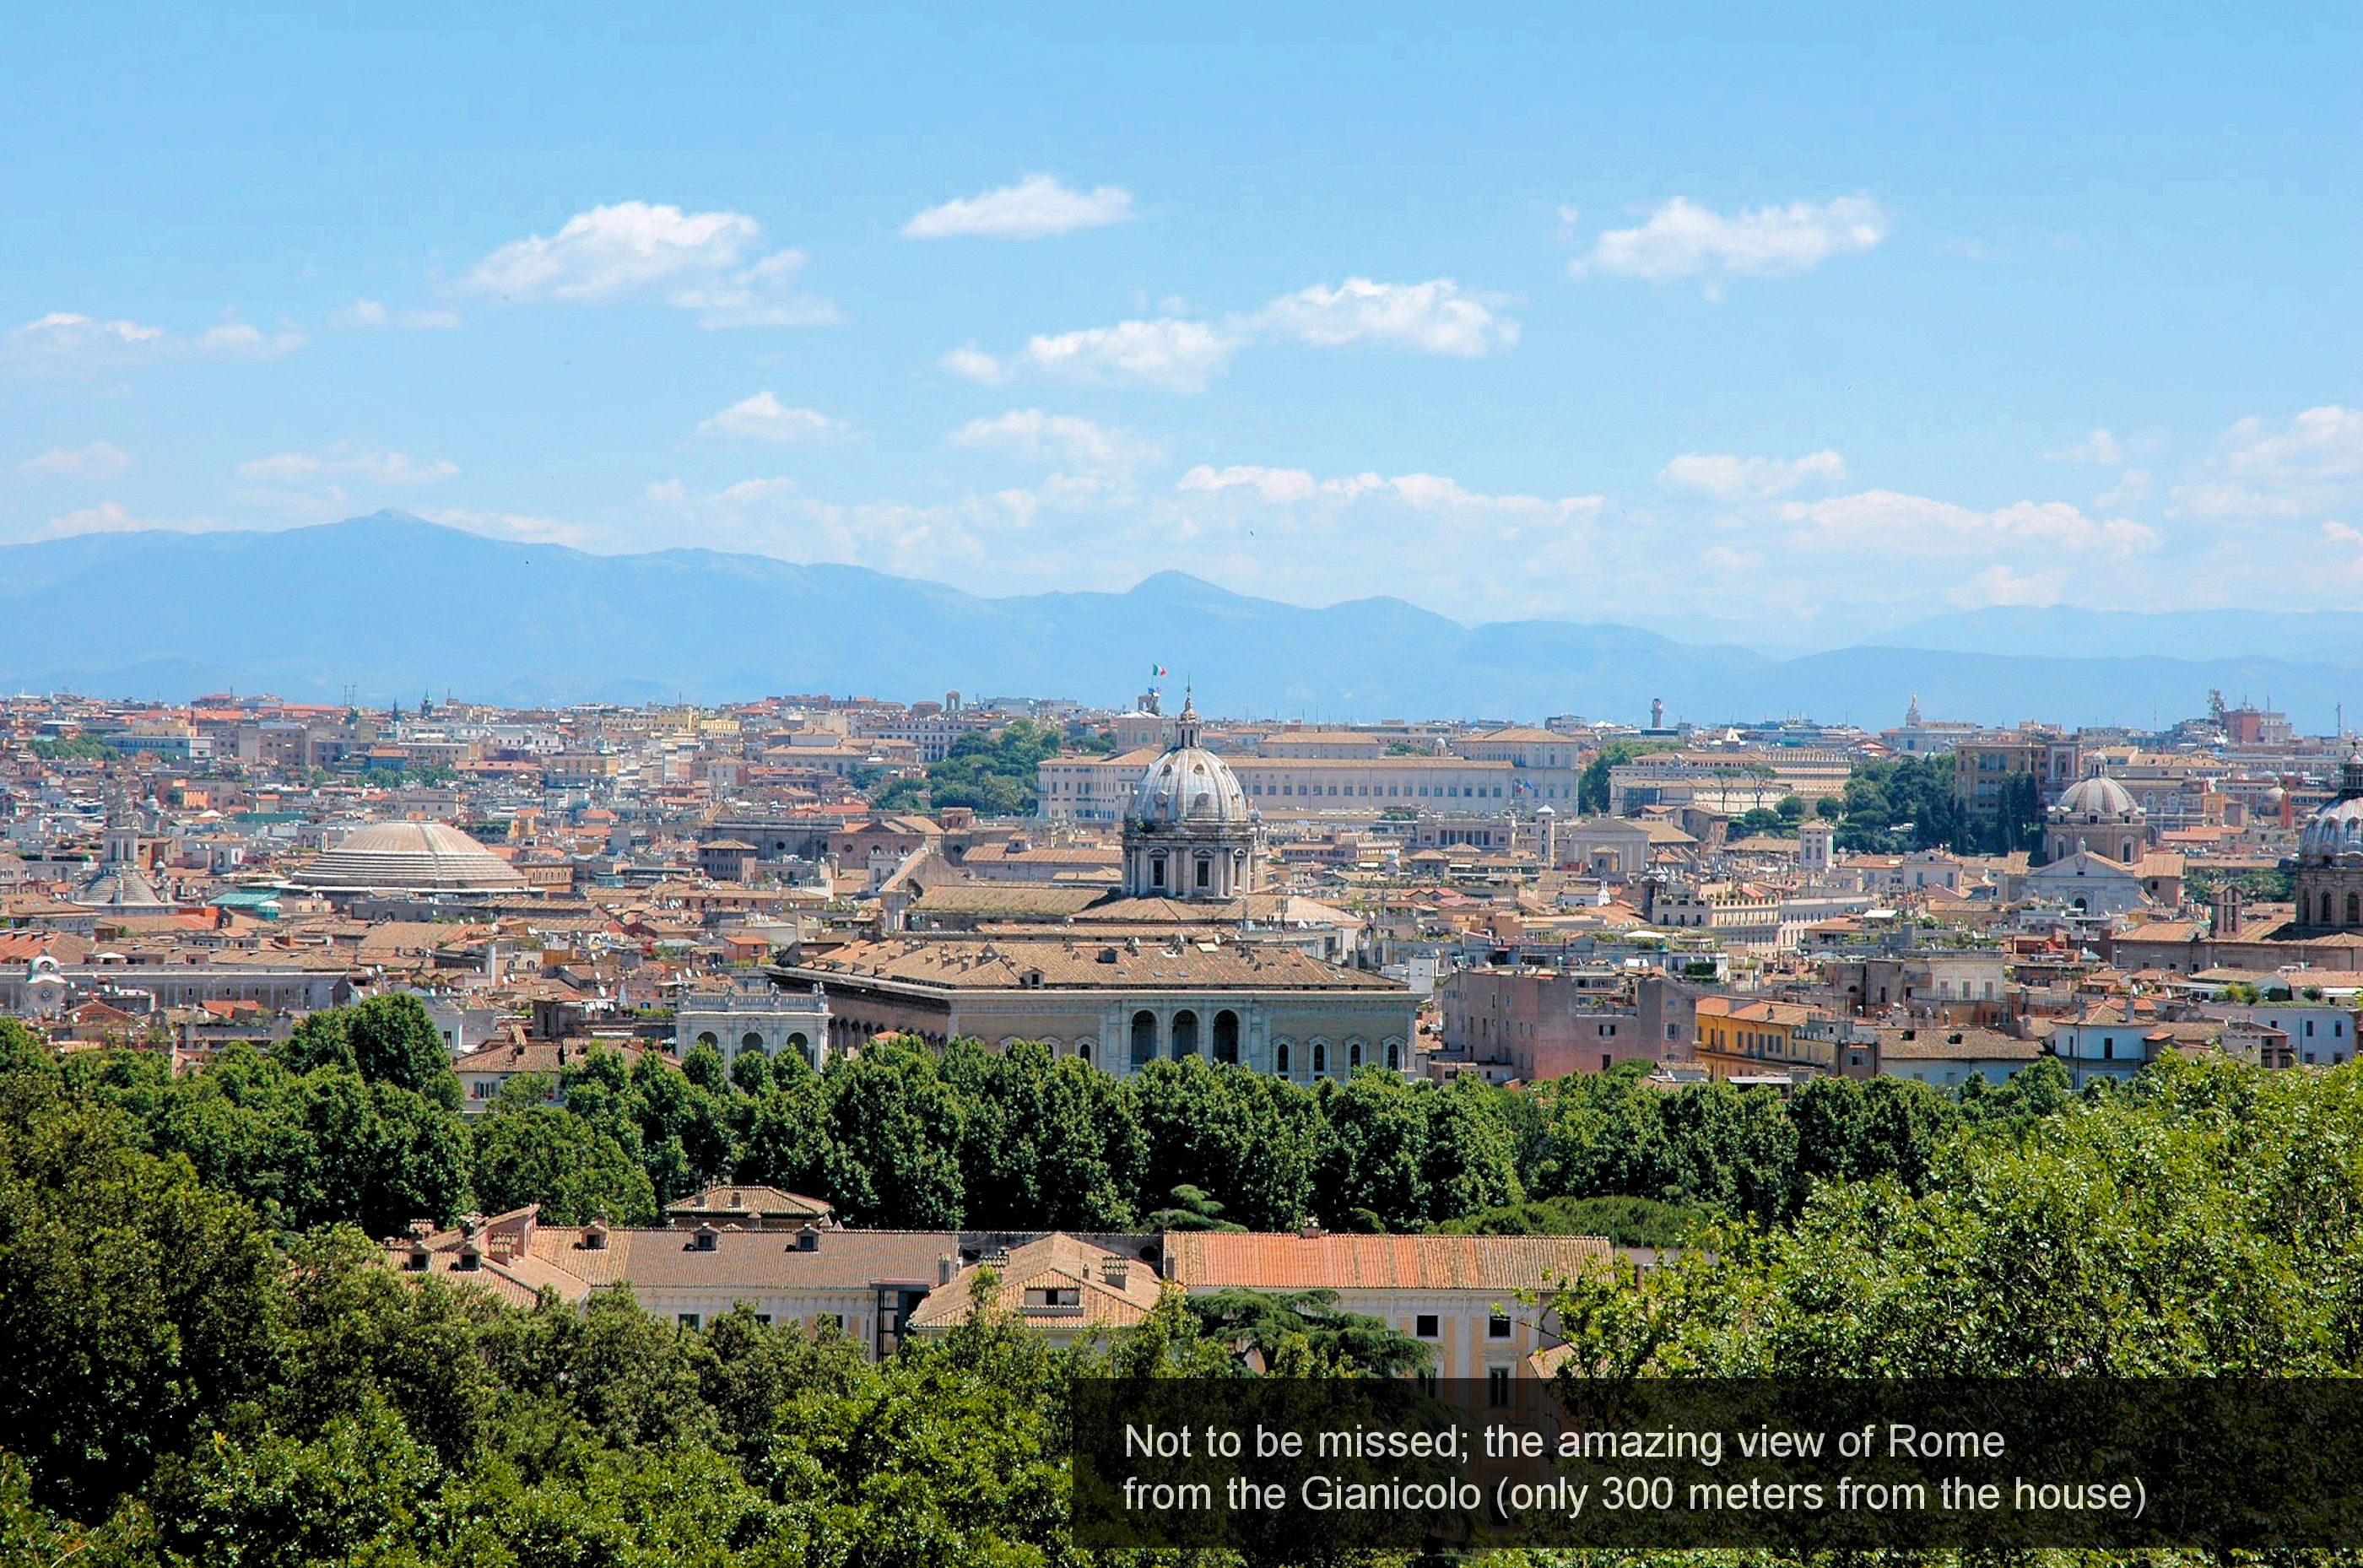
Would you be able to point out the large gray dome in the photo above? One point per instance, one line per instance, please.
(1186, 785)
(2096, 799)
(409, 857)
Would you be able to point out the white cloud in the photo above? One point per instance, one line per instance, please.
(346, 462)
(100, 460)
(1033, 436)
(371, 313)
(2100, 449)
(1905, 527)
(1034, 208)
(2131, 489)
(1683, 239)
(2260, 471)
(1179, 355)
(704, 261)
(1720, 477)
(66, 342)
(112, 517)
(1422, 492)
(525, 527)
(764, 417)
(975, 364)
(237, 340)
(1433, 318)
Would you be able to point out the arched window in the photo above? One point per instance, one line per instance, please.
(750, 1041)
(1144, 1039)
(1227, 1036)
(1279, 1058)
(802, 1046)
(1353, 1055)
(1083, 1049)
(1157, 871)
(1395, 1057)
(1186, 1035)
(1320, 1057)
(707, 1038)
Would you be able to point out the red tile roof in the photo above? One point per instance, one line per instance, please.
(1219, 1260)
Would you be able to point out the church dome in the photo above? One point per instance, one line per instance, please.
(2338, 828)
(1189, 786)
(2096, 799)
(409, 857)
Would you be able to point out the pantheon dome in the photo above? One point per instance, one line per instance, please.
(407, 857)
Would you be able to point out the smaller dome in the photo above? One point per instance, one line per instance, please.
(2096, 799)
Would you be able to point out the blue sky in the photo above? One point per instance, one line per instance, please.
(1762, 324)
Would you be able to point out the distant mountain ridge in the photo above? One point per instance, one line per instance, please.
(393, 606)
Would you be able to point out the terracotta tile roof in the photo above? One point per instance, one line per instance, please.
(750, 1261)
(954, 964)
(1219, 1260)
(1106, 1297)
(1956, 1045)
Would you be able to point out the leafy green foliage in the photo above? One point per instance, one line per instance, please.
(1591, 783)
(993, 774)
(1905, 803)
(2208, 1221)
(184, 1385)
(1625, 1221)
(386, 1039)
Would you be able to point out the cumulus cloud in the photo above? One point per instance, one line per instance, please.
(112, 517)
(1032, 436)
(1433, 318)
(1034, 208)
(1423, 492)
(370, 313)
(705, 262)
(764, 417)
(2100, 449)
(100, 460)
(1909, 525)
(1179, 355)
(2262, 472)
(346, 462)
(68, 343)
(1683, 239)
(1176, 356)
(1720, 477)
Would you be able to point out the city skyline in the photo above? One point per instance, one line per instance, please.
(1783, 340)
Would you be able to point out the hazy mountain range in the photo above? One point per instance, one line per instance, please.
(392, 605)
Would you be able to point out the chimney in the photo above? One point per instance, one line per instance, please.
(595, 1236)
(1308, 1229)
(946, 1266)
(1115, 1271)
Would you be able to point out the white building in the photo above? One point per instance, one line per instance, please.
(769, 1021)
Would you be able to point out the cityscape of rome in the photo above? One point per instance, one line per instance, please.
(1318, 785)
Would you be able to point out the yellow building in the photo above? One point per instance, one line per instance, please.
(1741, 1039)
